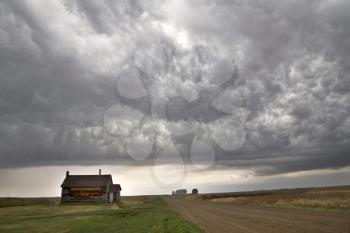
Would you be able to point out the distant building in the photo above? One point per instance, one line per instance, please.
(194, 191)
(89, 188)
(180, 192)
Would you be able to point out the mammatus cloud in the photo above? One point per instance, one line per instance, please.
(260, 85)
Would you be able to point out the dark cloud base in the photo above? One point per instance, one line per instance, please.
(59, 61)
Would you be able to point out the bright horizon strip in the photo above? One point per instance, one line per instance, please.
(46, 181)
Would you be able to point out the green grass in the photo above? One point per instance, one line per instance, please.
(147, 214)
(15, 201)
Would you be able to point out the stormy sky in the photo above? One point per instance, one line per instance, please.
(223, 95)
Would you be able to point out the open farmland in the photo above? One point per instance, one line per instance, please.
(290, 211)
(15, 201)
(302, 210)
(336, 198)
(135, 214)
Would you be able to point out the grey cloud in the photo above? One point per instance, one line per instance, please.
(59, 63)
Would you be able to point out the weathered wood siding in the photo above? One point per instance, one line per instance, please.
(97, 194)
(117, 196)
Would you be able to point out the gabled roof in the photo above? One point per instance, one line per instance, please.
(115, 188)
(87, 181)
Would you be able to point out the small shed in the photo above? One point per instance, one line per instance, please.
(115, 192)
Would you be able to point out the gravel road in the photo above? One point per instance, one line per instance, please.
(221, 218)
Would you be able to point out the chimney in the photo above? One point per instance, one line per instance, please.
(67, 173)
(99, 172)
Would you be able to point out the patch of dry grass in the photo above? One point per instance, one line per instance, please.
(189, 196)
(325, 198)
(240, 200)
(337, 203)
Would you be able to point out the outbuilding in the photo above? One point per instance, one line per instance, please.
(180, 192)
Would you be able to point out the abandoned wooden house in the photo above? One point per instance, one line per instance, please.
(89, 188)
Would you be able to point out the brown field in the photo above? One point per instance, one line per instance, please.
(337, 198)
(287, 210)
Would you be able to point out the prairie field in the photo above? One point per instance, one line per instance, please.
(288, 210)
(16, 201)
(332, 198)
(134, 214)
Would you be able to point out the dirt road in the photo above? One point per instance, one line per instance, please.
(221, 218)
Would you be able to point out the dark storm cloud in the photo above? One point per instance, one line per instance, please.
(286, 65)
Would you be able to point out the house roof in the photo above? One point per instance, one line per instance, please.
(115, 188)
(87, 181)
